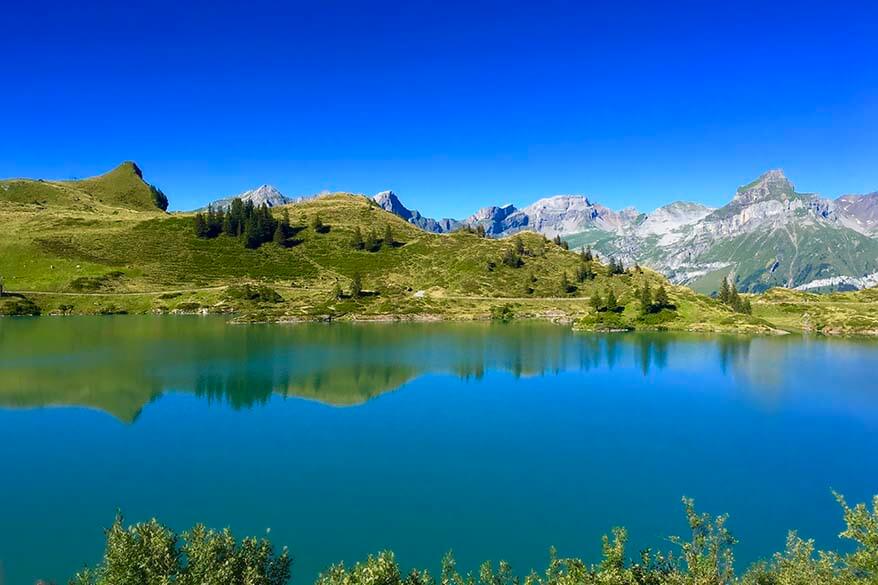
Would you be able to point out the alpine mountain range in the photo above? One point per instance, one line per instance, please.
(767, 235)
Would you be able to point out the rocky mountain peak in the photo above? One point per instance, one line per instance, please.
(390, 202)
(770, 185)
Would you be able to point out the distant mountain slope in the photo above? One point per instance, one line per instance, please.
(123, 188)
(767, 235)
(859, 212)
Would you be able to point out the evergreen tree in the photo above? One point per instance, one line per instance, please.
(746, 307)
(285, 223)
(480, 231)
(565, 284)
(387, 240)
(557, 240)
(251, 234)
(597, 303)
(236, 217)
(645, 299)
(519, 245)
(370, 243)
(612, 303)
(357, 241)
(200, 226)
(565, 244)
(227, 224)
(661, 298)
(724, 292)
(317, 224)
(734, 299)
(356, 285)
(279, 237)
(336, 291)
(588, 256)
(511, 258)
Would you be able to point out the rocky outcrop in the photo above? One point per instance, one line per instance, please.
(390, 202)
(266, 194)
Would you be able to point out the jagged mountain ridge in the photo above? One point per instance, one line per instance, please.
(264, 194)
(767, 235)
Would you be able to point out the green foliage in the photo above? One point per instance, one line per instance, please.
(95, 283)
(615, 267)
(370, 242)
(151, 554)
(255, 293)
(357, 241)
(18, 305)
(728, 294)
(356, 285)
(503, 313)
(512, 258)
(566, 286)
(387, 241)
(318, 226)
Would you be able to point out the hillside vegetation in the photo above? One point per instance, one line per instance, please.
(104, 245)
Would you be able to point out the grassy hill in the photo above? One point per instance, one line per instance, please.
(123, 188)
(101, 245)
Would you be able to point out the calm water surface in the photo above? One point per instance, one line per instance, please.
(494, 441)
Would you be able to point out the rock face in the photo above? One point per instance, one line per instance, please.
(859, 212)
(767, 235)
(390, 202)
(266, 194)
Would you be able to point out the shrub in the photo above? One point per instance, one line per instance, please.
(249, 292)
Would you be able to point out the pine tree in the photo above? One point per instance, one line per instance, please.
(588, 256)
(565, 284)
(612, 303)
(557, 240)
(336, 291)
(746, 307)
(200, 226)
(661, 298)
(317, 224)
(285, 223)
(236, 217)
(480, 231)
(279, 237)
(357, 241)
(724, 292)
(735, 299)
(251, 234)
(565, 244)
(387, 240)
(356, 285)
(597, 303)
(511, 258)
(645, 299)
(370, 243)
(519, 245)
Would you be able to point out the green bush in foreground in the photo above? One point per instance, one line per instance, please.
(150, 554)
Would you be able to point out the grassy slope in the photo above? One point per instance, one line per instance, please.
(143, 260)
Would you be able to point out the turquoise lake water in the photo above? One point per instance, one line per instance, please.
(494, 441)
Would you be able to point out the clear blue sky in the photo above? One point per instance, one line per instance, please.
(452, 105)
